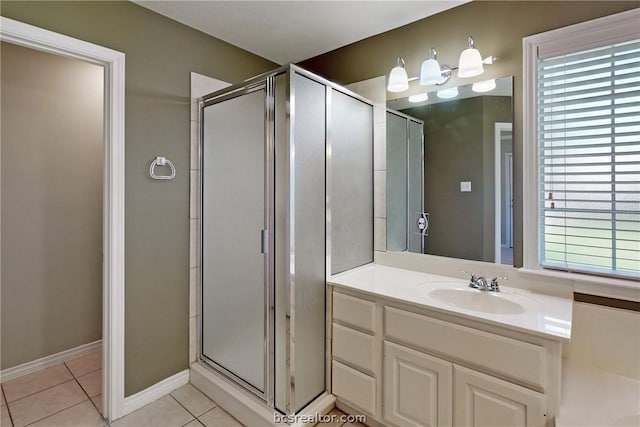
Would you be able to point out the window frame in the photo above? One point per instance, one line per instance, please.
(611, 29)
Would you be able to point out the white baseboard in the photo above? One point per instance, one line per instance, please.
(243, 406)
(155, 392)
(44, 362)
(322, 405)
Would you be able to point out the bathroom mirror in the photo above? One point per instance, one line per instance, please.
(450, 172)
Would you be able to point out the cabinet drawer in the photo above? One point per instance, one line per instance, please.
(354, 348)
(354, 311)
(354, 387)
(515, 359)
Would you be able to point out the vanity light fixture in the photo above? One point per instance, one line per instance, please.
(419, 97)
(470, 63)
(398, 79)
(448, 93)
(432, 72)
(484, 86)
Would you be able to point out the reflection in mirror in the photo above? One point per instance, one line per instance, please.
(450, 173)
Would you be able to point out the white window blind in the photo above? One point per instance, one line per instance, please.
(589, 160)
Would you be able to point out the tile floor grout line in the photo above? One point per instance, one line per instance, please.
(39, 391)
(195, 419)
(82, 388)
(94, 403)
(7, 405)
(184, 407)
(67, 366)
(205, 414)
(215, 404)
(86, 373)
(51, 415)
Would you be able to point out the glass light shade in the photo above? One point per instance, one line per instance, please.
(430, 73)
(419, 97)
(448, 93)
(485, 86)
(398, 80)
(470, 63)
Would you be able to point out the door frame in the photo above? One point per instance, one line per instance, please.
(113, 284)
(508, 204)
(499, 127)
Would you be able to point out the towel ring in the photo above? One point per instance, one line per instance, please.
(161, 161)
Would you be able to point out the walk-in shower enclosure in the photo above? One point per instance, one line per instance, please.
(287, 200)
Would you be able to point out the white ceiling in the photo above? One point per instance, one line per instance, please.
(292, 31)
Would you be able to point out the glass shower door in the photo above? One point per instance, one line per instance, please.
(235, 260)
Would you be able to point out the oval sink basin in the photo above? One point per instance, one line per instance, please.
(471, 299)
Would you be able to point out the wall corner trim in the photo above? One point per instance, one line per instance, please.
(47, 361)
(156, 391)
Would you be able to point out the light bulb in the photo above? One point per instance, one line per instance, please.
(448, 93)
(398, 79)
(470, 63)
(430, 73)
(485, 86)
(419, 97)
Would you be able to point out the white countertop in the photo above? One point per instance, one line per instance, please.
(513, 308)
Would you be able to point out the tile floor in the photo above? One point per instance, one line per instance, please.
(69, 395)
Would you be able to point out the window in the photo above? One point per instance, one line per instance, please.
(586, 181)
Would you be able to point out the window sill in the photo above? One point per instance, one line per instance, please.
(593, 285)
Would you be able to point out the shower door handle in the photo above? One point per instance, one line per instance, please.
(264, 241)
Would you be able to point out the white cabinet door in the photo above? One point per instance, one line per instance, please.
(484, 401)
(416, 388)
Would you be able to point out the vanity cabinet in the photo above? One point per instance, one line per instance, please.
(416, 388)
(483, 400)
(408, 366)
(355, 356)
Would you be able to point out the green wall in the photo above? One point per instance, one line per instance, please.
(160, 53)
(51, 219)
(497, 27)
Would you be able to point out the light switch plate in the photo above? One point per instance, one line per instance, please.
(465, 186)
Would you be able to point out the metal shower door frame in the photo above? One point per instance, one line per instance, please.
(411, 220)
(268, 85)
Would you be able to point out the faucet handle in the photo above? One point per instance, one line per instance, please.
(473, 276)
(495, 286)
(473, 280)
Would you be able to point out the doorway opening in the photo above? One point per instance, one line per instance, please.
(48, 220)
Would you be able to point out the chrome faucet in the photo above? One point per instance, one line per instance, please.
(482, 284)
